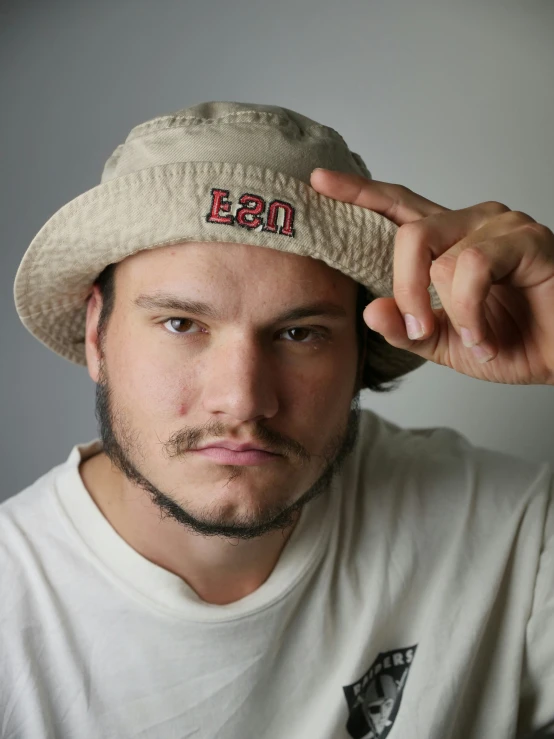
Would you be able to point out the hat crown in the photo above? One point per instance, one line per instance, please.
(238, 133)
(225, 172)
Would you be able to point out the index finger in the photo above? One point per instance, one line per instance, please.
(396, 202)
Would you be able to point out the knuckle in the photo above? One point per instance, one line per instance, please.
(402, 189)
(474, 256)
(443, 268)
(413, 231)
(494, 207)
(543, 231)
(462, 304)
(403, 290)
(517, 218)
(523, 217)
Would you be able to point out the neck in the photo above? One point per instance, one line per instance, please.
(219, 570)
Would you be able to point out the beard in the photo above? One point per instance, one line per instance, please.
(121, 444)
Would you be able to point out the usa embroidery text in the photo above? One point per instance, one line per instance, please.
(252, 212)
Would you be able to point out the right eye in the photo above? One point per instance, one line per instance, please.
(172, 325)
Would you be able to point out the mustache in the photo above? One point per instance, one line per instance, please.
(189, 438)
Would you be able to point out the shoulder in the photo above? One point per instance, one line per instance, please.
(35, 500)
(431, 502)
(24, 520)
(439, 466)
(21, 510)
(32, 525)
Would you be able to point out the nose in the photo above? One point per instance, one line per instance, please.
(238, 380)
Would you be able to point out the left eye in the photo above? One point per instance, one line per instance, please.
(175, 324)
(172, 328)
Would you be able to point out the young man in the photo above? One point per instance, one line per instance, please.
(244, 552)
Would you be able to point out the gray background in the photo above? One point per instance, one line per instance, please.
(452, 99)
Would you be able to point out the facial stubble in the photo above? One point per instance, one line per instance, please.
(121, 444)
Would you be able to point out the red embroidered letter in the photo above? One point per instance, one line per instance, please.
(220, 202)
(287, 228)
(248, 216)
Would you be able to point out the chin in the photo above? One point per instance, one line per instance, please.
(234, 492)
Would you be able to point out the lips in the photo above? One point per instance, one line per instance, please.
(248, 457)
(235, 447)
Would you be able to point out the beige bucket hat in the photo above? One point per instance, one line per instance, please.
(213, 172)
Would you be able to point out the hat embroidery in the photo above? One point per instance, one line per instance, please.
(251, 214)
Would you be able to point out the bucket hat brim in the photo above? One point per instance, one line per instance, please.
(169, 204)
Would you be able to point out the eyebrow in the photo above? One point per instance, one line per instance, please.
(166, 301)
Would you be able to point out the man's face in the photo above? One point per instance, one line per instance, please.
(171, 380)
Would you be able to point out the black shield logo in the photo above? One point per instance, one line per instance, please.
(374, 699)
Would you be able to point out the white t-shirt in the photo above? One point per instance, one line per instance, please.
(414, 601)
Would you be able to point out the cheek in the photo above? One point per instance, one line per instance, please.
(326, 404)
(147, 387)
(164, 395)
(319, 401)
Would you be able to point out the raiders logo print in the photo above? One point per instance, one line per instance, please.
(374, 699)
(250, 212)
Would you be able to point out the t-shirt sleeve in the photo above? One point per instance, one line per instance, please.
(537, 685)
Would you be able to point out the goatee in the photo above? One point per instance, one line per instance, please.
(121, 444)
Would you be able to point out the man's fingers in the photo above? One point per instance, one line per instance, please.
(431, 249)
(396, 202)
(382, 315)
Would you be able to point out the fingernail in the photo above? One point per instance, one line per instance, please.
(467, 337)
(481, 354)
(413, 327)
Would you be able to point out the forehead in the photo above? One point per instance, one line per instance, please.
(229, 266)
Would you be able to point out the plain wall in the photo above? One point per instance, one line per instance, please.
(452, 99)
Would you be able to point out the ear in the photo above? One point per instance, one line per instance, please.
(92, 347)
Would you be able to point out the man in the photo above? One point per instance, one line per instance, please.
(243, 552)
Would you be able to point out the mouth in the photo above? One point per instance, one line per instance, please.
(249, 457)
